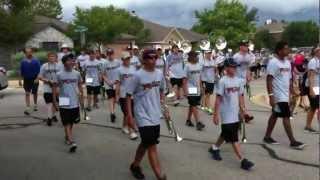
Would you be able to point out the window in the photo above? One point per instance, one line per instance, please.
(50, 46)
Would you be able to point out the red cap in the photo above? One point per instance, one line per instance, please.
(299, 59)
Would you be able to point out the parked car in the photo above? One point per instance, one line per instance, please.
(3, 78)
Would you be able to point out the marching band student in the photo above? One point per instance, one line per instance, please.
(135, 61)
(244, 59)
(111, 82)
(314, 83)
(208, 75)
(279, 85)
(228, 105)
(64, 50)
(192, 88)
(48, 75)
(147, 87)
(69, 83)
(92, 79)
(82, 58)
(102, 62)
(125, 73)
(176, 71)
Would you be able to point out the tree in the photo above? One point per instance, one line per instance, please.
(228, 18)
(48, 8)
(263, 39)
(301, 33)
(105, 24)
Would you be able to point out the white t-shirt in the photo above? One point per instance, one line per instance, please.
(135, 62)
(49, 71)
(82, 59)
(193, 75)
(175, 65)
(110, 70)
(280, 70)
(230, 89)
(208, 71)
(244, 62)
(125, 75)
(146, 88)
(160, 64)
(93, 72)
(314, 64)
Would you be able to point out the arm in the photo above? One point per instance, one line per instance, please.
(216, 116)
(311, 77)
(81, 93)
(185, 86)
(242, 106)
(55, 96)
(270, 90)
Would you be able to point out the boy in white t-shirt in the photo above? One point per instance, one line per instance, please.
(229, 104)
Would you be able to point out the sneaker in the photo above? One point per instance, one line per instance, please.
(113, 118)
(136, 172)
(210, 111)
(176, 103)
(310, 130)
(189, 123)
(291, 117)
(203, 108)
(125, 130)
(248, 118)
(269, 140)
(73, 147)
(35, 108)
(49, 122)
(133, 136)
(215, 154)
(88, 109)
(246, 164)
(26, 112)
(200, 126)
(54, 119)
(297, 145)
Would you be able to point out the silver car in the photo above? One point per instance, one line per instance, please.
(3, 78)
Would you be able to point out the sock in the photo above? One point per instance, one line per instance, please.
(214, 147)
(49, 110)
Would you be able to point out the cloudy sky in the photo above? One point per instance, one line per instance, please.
(181, 12)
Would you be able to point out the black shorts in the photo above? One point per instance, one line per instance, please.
(48, 98)
(93, 90)
(209, 88)
(314, 102)
(111, 93)
(284, 109)
(29, 86)
(194, 100)
(123, 105)
(69, 116)
(230, 132)
(176, 81)
(149, 135)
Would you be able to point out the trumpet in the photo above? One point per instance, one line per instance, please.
(170, 125)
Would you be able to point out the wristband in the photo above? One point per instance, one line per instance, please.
(271, 94)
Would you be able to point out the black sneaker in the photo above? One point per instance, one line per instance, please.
(113, 118)
(136, 172)
(49, 122)
(297, 145)
(200, 126)
(26, 112)
(269, 140)
(215, 154)
(246, 164)
(88, 109)
(310, 130)
(189, 123)
(73, 147)
(54, 119)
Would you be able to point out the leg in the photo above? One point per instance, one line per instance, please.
(195, 113)
(27, 99)
(154, 160)
(189, 113)
(141, 151)
(310, 116)
(219, 142)
(89, 100)
(271, 123)
(288, 129)
(237, 150)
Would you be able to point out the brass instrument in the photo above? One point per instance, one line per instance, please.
(170, 124)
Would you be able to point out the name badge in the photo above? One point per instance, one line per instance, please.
(193, 91)
(64, 101)
(316, 90)
(89, 80)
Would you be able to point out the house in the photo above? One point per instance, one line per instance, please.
(275, 28)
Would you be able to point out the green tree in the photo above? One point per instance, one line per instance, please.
(228, 18)
(48, 8)
(263, 39)
(105, 24)
(301, 33)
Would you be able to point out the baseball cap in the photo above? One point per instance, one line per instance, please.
(244, 43)
(125, 55)
(229, 62)
(110, 51)
(67, 57)
(149, 53)
(192, 54)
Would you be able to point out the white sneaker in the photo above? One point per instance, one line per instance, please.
(133, 136)
(125, 130)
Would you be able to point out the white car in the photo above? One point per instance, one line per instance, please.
(3, 78)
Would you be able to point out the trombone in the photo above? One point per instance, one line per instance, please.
(170, 124)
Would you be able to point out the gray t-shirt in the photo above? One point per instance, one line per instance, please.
(146, 88)
(125, 75)
(93, 71)
(49, 71)
(175, 65)
(135, 62)
(82, 59)
(110, 70)
(244, 62)
(230, 89)
(193, 75)
(208, 71)
(314, 64)
(160, 64)
(68, 87)
(280, 70)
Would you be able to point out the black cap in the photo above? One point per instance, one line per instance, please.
(149, 53)
(244, 43)
(192, 54)
(229, 62)
(67, 57)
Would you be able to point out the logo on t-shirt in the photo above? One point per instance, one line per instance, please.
(284, 70)
(151, 85)
(68, 81)
(232, 90)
